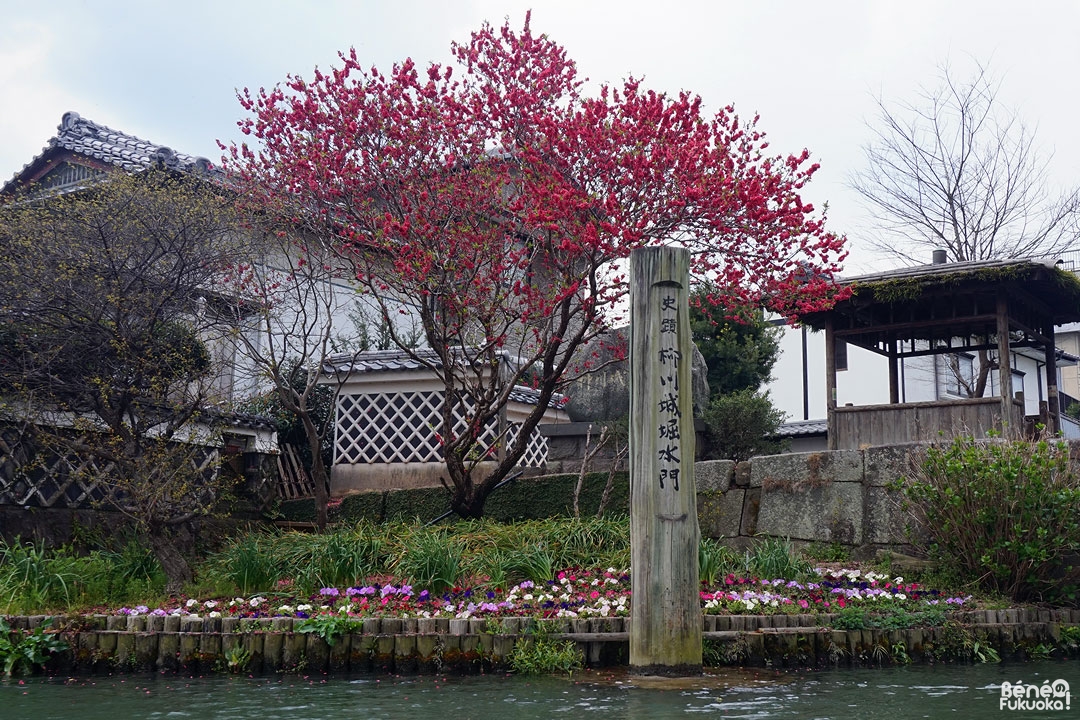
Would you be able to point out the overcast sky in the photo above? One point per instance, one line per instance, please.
(168, 71)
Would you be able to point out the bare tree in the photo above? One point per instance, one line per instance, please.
(959, 171)
(299, 303)
(103, 363)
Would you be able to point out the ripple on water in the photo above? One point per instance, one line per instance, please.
(899, 693)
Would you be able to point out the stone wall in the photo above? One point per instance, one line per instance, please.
(839, 496)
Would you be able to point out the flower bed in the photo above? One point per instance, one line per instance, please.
(836, 590)
(574, 594)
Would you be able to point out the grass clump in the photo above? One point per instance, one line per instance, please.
(776, 558)
(34, 579)
(436, 559)
(538, 653)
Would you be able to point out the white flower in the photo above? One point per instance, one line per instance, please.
(191, 603)
(303, 608)
(210, 604)
(215, 614)
(286, 609)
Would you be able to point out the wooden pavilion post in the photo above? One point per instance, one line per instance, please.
(665, 612)
(1053, 404)
(1005, 366)
(894, 373)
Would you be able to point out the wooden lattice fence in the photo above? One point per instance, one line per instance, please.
(35, 476)
(295, 482)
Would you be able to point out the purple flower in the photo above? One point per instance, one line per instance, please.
(423, 596)
(329, 592)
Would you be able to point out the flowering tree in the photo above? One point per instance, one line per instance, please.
(497, 198)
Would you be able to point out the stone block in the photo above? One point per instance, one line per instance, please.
(741, 476)
(713, 475)
(886, 463)
(832, 512)
(720, 514)
(751, 508)
(886, 521)
(804, 471)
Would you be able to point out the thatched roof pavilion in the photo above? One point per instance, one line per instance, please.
(996, 306)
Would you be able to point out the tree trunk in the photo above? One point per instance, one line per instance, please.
(177, 570)
(984, 374)
(319, 476)
(467, 499)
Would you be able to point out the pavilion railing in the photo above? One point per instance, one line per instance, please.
(871, 425)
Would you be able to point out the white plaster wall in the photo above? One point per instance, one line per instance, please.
(866, 381)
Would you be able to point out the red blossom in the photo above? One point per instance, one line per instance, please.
(500, 199)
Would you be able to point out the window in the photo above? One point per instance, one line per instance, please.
(840, 354)
(960, 374)
(1017, 383)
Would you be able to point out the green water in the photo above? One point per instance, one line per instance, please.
(895, 693)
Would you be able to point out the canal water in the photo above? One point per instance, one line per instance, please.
(941, 691)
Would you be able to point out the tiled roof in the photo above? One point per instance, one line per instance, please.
(127, 152)
(399, 360)
(240, 419)
(377, 361)
(803, 428)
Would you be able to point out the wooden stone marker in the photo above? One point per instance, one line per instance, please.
(665, 614)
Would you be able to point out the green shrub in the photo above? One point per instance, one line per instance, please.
(742, 424)
(1005, 514)
(827, 552)
(851, 618)
(20, 652)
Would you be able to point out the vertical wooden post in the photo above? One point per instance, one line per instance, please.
(830, 384)
(665, 615)
(894, 372)
(1005, 368)
(1053, 404)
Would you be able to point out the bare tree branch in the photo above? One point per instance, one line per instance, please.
(956, 170)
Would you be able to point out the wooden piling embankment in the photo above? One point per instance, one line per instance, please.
(109, 644)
